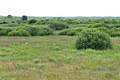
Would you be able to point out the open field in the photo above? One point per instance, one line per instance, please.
(56, 58)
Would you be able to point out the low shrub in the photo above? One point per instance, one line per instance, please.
(31, 30)
(36, 31)
(32, 21)
(13, 33)
(72, 33)
(64, 32)
(45, 31)
(94, 39)
(115, 32)
(78, 29)
(104, 29)
(58, 25)
(4, 31)
(20, 32)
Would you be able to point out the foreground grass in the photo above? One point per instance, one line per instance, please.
(55, 58)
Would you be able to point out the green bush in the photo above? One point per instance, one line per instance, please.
(72, 33)
(37, 31)
(13, 33)
(4, 22)
(97, 25)
(4, 31)
(31, 30)
(78, 29)
(115, 32)
(45, 31)
(64, 32)
(20, 32)
(32, 21)
(94, 39)
(58, 25)
(104, 29)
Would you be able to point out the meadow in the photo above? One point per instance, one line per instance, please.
(55, 57)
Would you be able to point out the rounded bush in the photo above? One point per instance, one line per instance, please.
(37, 31)
(93, 39)
(97, 25)
(71, 33)
(4, 31)
(32, 21)
(58, 25)
(31, 30)
(64, 32)
(78, 29)
(115, 32)
(45, 31)
(19, 33)
(104, 29)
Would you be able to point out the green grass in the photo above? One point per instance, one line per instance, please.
(56, 58)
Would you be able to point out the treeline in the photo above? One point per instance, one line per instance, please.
(45, 20)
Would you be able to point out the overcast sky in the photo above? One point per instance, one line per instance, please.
(60, 7)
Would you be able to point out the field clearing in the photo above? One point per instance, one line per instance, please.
(56, 58)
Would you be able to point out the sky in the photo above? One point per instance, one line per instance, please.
(60, 7)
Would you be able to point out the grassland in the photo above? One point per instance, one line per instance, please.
(56, 58)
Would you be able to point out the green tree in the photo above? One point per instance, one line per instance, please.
(24, 17)
(9, 16)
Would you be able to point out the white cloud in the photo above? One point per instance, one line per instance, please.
(60, 7)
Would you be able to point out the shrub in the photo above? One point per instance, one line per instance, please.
(58, 25)
(64, 32)
(23, 32)
(19, 33)
(97, 25)
(37, 31)
(32, 30)
(32, 21)
(115, 32)
(4, 22)
(104, 29)
(4, 31)
(13, 33)
(40, 33)
(78, 29)
(94, 39)
(72, 33)
(45, 31)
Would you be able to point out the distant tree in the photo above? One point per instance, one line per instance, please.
(24, 17)
(9, 16)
